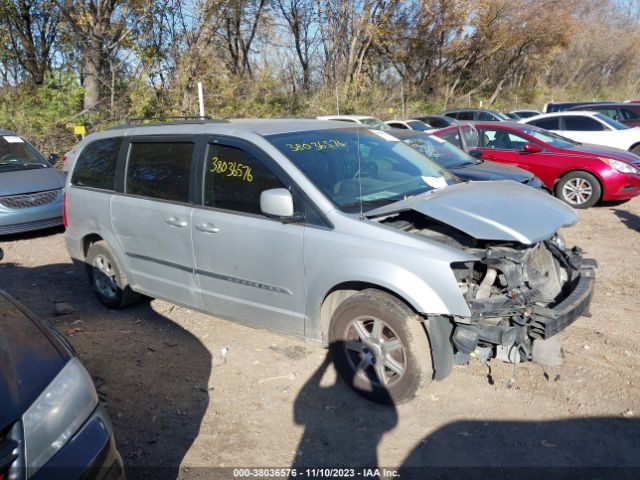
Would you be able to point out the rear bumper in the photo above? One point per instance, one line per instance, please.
(549, 321)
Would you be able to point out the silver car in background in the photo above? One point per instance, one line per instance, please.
(337, 233)
(30, 188)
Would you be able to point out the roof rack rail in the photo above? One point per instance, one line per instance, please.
(157, 121)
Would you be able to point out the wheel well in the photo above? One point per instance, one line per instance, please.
(339, 294)
(634, 146)
(437, 330)
(555, 184)
(89, 240)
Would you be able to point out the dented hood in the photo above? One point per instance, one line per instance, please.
(501, 210)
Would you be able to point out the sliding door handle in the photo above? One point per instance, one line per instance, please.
(176, 222)
(207, 228)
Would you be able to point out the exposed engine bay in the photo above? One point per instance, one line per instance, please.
(516, 293)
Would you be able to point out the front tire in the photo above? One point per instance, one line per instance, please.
(380, 348)
(579, 189)
(107, 279)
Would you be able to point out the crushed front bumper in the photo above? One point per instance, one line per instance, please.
(549, 321)
(525, 322)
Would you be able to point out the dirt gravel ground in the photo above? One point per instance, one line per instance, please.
(189, 393)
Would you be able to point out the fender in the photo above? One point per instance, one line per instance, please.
(441, 295)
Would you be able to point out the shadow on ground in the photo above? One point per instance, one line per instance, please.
(152, 374)
(337, 435)
(631, 220)
(598, 447)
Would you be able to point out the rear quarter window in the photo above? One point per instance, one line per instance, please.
(96, 165)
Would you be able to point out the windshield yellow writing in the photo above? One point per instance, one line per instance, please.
(319, 145)
(232, 169)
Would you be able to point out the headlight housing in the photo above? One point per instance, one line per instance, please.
(559, 242)
(619, 166)
(57, 414)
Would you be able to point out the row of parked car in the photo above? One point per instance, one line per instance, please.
(581, 156)
(364, 240)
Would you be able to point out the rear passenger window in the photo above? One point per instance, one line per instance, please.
(234, 179)
(628, 114)
(160, 170)
(547, 123)
(96, 165)
(582, 124)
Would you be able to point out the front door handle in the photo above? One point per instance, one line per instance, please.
(207, 228)
(175, 222)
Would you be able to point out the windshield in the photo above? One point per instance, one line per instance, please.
(611, 122)
(501, 115)
(440, 151)
(375, 123)
(548, 137)
(16, 153)
(353, 164)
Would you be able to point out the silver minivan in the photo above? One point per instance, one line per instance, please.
(336, 233)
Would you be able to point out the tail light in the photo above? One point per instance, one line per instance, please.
(65, 222)
(64, 159)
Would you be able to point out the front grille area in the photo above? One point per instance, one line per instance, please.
(29, 200)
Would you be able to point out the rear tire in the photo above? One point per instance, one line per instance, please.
(579, 189)
(380, 348)
(107, 278)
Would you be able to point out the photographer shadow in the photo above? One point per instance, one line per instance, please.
(575, 448)
(341, 429)
(151, 374)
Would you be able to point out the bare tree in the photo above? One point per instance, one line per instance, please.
(31, 28)
(98, 28)
(301, 21)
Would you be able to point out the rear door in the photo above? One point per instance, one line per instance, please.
(250, 267)
(152, 219)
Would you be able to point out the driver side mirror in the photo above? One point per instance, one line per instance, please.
(531, 148)
(476, 154)
(53, 158)
(277, 203)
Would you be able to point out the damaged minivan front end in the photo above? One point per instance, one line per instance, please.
(524, 286)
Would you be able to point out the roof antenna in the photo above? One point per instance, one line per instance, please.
(360, 176)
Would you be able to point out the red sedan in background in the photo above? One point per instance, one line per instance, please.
(579, 174)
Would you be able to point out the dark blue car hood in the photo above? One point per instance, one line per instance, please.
(491, 171)
(16, 182)
(30, 358)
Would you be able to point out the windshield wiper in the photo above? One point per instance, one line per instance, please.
(23, 165)
(378, 202)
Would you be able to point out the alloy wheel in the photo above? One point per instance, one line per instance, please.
(375, 352)
(105, 277)
(577, 191)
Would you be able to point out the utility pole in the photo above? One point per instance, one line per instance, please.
(200, 100)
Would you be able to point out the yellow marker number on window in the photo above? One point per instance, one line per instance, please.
(232, 169)
(319, 145)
